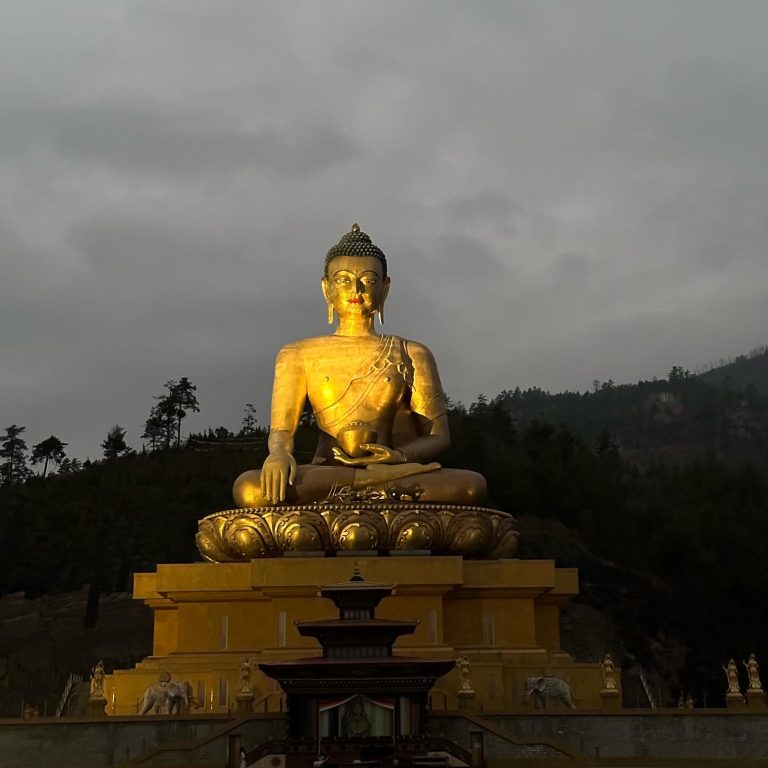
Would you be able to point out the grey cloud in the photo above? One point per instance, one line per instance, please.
(140, 139)
(565, 191)
(491, 211)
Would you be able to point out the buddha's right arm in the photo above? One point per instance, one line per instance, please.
(279, 468)
(280, 441)
(289, 393)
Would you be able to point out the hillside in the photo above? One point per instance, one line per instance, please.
(747, 373)
(676, 419)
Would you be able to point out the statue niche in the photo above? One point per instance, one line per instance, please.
(374, 482)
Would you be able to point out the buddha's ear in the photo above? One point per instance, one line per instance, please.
(324, 286)
(387, 282)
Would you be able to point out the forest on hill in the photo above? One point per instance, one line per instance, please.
(721, 411)
(657, 492)
(745, 373)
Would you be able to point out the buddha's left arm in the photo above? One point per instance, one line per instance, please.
(428, 406)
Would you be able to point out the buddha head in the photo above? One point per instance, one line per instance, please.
(355, 280)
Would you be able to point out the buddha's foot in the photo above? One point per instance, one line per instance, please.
(380, 526)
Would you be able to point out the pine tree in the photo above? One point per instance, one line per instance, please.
(249, 421)
(13, 452)
(49, 450)
(70, 466)
(184, 398)
(114, 445)
(165, 418)
(154, 428)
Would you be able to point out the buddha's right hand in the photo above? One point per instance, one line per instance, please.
(277, 472)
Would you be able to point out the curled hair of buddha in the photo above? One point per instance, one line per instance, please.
(355, 243)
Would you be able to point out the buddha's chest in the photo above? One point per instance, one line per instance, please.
(348, 377)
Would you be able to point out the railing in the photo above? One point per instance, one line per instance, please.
(268, 747)
(165, 753)
(441, 744)
(647, 688)
(274, 701)
(561, 751)
(73, 680)
(350, 750)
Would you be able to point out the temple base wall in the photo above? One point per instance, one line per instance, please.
(503, 615)
(640, 738)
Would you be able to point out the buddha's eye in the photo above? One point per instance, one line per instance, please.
(342, 280)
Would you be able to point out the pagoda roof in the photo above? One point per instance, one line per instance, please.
(328, 675)
(356, 592)
(355, 625)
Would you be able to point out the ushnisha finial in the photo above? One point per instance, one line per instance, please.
(355, 227)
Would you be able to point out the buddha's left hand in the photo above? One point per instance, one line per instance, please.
(377, 454)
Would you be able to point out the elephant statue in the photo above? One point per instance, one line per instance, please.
(548, 689)
(166, 697)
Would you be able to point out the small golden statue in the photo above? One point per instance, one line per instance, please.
(753, 673)
(465, 675)
(245, 678)
(97, 681)
(609, 673)
(732, 675)
(382, 415)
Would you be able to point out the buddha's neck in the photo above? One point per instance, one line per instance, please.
(356, 326)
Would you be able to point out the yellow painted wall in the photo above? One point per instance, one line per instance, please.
(503, 615)
(548, 627)
(166, 630)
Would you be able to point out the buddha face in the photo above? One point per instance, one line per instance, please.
(355, 285)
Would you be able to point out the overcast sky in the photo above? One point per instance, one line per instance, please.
(565, 191)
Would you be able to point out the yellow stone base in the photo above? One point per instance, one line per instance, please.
(734, 700)
(501, 614)
(611, 698)
(756, 698)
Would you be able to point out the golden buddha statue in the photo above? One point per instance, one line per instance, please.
(374, 483)
(378, 401)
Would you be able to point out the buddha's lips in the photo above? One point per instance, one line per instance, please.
(355, 301)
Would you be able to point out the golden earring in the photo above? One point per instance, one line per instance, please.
(380, 312)
(330, 313)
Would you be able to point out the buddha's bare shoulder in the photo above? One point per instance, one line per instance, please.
(418, 352)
